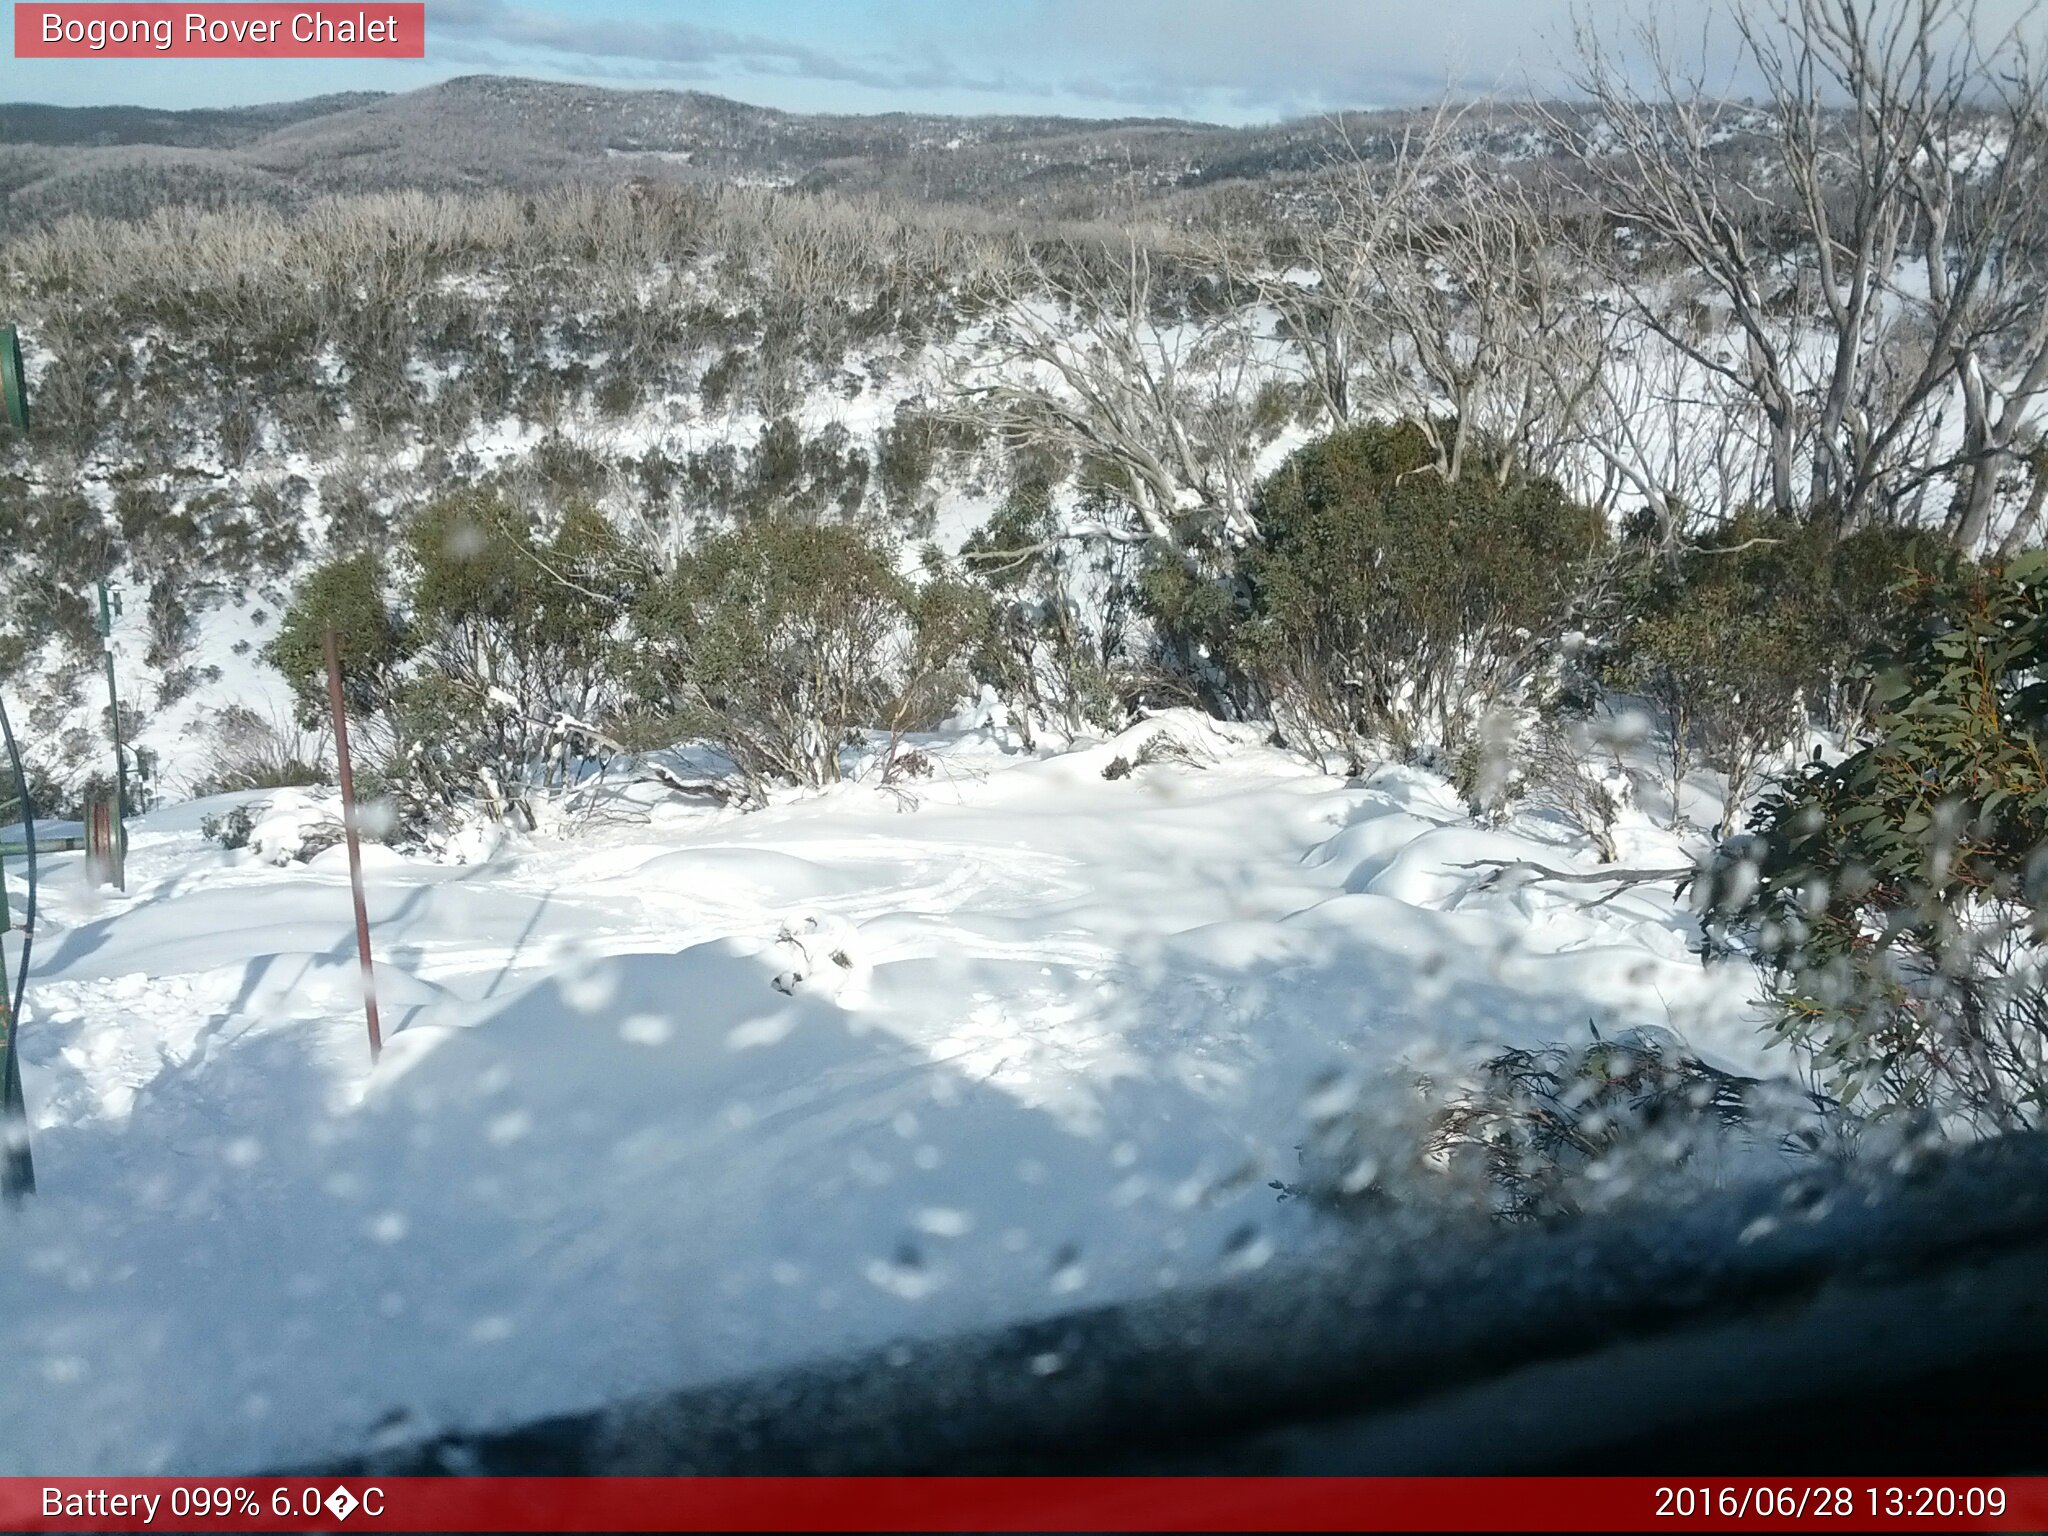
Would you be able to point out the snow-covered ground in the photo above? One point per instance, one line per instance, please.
(697, 1093)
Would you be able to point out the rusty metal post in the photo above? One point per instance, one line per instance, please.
(105, 857)
(332, 644)
(117, 849)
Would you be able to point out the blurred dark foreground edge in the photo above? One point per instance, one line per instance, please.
(1844, 1324)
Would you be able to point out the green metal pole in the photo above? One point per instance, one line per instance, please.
(17, 1167)
(13, 381)
(120, 828)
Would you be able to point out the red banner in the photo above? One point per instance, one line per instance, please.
(372, 30)
(1023, 1504)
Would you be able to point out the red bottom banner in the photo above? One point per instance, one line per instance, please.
(1023, 1504)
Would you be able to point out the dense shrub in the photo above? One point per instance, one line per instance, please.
(906, 455)
(910, 454)
(1387, 606)
(1543, 1133)
(346, 596)
(483, 681)
(1747, 637)
(793, 476)
(1898, 894)
(512, 631)
(1034, 643)
(779, 639)
(1558, 1128)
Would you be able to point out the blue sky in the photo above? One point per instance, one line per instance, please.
(1222, 60)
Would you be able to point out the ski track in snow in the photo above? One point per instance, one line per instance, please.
(670, 1102)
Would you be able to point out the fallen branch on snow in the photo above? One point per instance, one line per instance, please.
(723, 791)
(1621, 879)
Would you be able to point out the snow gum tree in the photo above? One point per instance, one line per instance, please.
(1868, 229)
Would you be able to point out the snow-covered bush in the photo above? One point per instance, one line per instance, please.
(230, 829)
(289, 828)
(1545, 1132)
(251, 752)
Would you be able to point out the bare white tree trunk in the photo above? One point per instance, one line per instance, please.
(1872, 230)
(1088, 364)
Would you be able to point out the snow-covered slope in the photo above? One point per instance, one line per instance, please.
(698, 1093)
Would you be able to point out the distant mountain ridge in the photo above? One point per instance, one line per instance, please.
(27, 122)
(485, 131)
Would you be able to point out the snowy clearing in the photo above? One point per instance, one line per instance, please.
(707, 1093)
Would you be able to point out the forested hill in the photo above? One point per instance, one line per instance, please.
(491, 132)
(30, 122)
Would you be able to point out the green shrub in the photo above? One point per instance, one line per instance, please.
(350, 507)
(792, 476)
(911, 455)
(568, 469)
(906, 457)
(1558, 1128)
(722, 379)
(618, 393)
(346, 596)
(1746, 637)
(489, 687)
(513, 632)
(1033, 643)
(1898, 894)
(1386, 605)
(779, 639)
